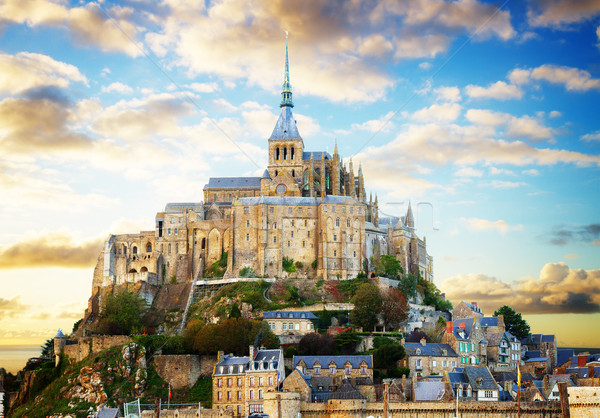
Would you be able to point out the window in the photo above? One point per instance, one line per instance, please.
(337, 221)
(239, 382)
(220, 381)
(215, 197)
(246, 209)
(292, 221)
(334, 253)
(274, 240)
(229, 382)
(351, 238)
(271, 209)
(247, 224)
(333, 209)
(308, 234)
(488, 393)
(453, 363)
(292, 234)
(332, 370)
(251, 381)
(247, 237)
(274, 225)
(297, 326)
(239, 396)
(169, 231)
(305, 222)
(270, 380)
(354, 254)
(251, 394)
(303, 244)
(289, 211)
(325, 208)
(434, 363)
(335, 237)
(260, 394)
(284, 325)
(230, 197)
(363, 369)
(290, 326)
(288, 243)
(317, 369)
(348, 223)
(228, 395)
(149, 248)
(169, 249)
(351, 209)
(260, 381)
(219, 395)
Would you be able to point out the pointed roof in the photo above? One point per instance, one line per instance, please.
(59, 334)
(266, 175)
(286, 91)
(347, 391)
(409, 220)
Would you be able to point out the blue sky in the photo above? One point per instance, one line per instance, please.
(485, 118)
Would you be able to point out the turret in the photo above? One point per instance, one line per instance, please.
(376, 214)
(59, 343)
(351, 181)
(335, 171)
(361, 184)
(311, 176)
(409, 221)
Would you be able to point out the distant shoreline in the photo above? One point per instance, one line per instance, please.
(14, 357)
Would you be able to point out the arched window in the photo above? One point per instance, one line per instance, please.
(277, 153)
(133, 271)
(124, 249)
(285, 153)
(292, 153)
(348, 223)
(134, 249)
(293, 172)
(276, 173)
(337, 221)
(148, 248)
(144, 269)
(203, 243)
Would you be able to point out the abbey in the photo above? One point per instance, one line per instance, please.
(308, 207)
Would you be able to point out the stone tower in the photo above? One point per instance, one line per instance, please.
(59, 343)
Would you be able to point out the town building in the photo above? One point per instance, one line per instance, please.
(429, 359)
(290, 326)
(473, 383)
(544, 343)
(344, 366)
(466, 310)
(503, 351)
(240, 383)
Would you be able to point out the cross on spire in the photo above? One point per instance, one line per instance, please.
(286, 92)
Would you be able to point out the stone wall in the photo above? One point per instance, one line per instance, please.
(584, 401)
(90, 346)
(180, 370)
(189, 413)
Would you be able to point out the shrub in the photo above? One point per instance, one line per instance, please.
(314, 264)
(298, 265)
(288, 265)
(247, 272)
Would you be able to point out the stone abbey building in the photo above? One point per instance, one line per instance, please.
(308, 206)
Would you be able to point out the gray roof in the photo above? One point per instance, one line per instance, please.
(548, 338)
(436, 350)
(326, 382)
(289, 314)
(474, 308)
(339, 361)
(536, 359)
(532, 353)
(268, 355)
(285, 128)
(494, 339)
(233, 182)
(59, 334)
(346, 391)
(484, 322)
(295, 201)
(480, 378)
(583, 371)
(182, 207)
(266, 174)
(563, 355)
(316, 155)
(429, 391)
(109, 413)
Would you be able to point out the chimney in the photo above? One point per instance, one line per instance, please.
(449, 327)
(581, 360)
(590, 371)
(251, 351)
(220, 356)
(546, 382)
(423, 342)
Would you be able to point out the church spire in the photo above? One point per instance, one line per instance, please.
(286, 92)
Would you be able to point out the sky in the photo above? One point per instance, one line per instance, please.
(484, 115)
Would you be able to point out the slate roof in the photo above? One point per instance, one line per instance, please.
(534, 359)
(429, 391)
(583, 371)
(548, 338)
(233, 182)
(316, 155)
(532, 353)
(474, 308)
(285, 128)
(486, 382)
(563, 355)
(180, 207)
(59, 334)
(537, 339)
(266, 174)
(435, 350)
(326, 382)
(289, 314)
(339, 361)
(268, 355)
(484, 322)
(109, 413)
(346, 391)
(295, 201)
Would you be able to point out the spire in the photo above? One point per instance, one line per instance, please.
(335, 148)
(286, 92)
(409, 221)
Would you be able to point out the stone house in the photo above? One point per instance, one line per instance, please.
(331, 366)
(300, 383)
(537, 365)
(467, 339)
(426, 359)
(239, 383)
(473, 383)
(466, 310)
(550, 385)
(544, 343)
(503, 351)
(290, 326)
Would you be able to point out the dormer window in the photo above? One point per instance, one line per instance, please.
(291, 315)
(317, 369)
(278, 315)
(418, 351)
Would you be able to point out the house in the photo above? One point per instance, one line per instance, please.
(550, 385)
(466, 310)
(426, 359)
(503, 351)
(467, 338)
(537, 365)
(564, 356)
(300, 383)
(473, 383)
(345, 366)
(544, 343)
(239, 383)
(290, 326)
(529, 392)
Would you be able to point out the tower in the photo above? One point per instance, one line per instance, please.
(286, 146)
(409, 221)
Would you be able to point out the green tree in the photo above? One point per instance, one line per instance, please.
(235, 311)
(515, 324)
(390, 266)
(386, 356)
(123, 314)
(408, 285)
(346, 342)
(47, 350)
(314, 344)
(367, 305)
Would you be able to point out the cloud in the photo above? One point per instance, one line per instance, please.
(571, 256)
(558, 289)
(117, 87)
(88, 25)
(531, 172)
(468, 172)
(499, 90)
(555, 114)
(479, 225)
(448, 94)
(573, 79)
(515, 127)
(582, 234)
(494, 171)
(383, 123)
(501, 184)
(594, 136)
(445, 112)
(51, 250)
(27, 70)
(559, 13)
(11, 308)
(204, 87)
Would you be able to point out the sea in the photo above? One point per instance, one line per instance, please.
(14, 357)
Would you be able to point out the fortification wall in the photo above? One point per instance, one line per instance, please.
(180, 370)
(90, 346)
(584, 401)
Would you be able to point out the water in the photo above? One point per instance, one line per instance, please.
(14, 357)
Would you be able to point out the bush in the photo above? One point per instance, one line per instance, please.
(122, 314)
(381, 341)
(399, 372)
(298, 265)
(288, 265)
(290, 352)
(247, 272)
(314, 264)
(386, 357)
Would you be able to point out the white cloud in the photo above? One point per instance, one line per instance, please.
(501, 184)
(555, 114)
(494, 171)
(204, 87)
(559, 13)
(425, 65)
(468, 172)
(448, 94)
(117, 87)
(479, 225)
(499, 90)
(516, 127)
(445, 112)
(573, 79)
(383, 123)
(531, 172)
(27, 70)
(594, 136)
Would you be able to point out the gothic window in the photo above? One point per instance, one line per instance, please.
(276, 173)
(293, 172)
(348, 223)
(281, 189)
(276, 154)
(337, 221)
(292, 154)
(134, 249)
(148, 248)
(285, 153)
(203, 243)
(124, 249)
